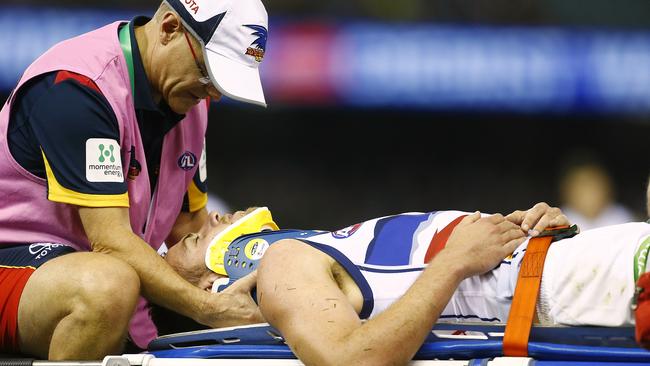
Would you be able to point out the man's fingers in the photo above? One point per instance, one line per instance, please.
(549, 220)
(541, 225)
(560, 220)
(469, 219)
(512, 233)
(496, 219)
(516, 217)
(533, 216)
(244, 284)
(506, 225)
(511, 245)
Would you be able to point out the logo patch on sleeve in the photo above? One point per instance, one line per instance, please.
(103, 161)
(187, 161)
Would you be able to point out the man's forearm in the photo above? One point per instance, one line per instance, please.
(159, 282)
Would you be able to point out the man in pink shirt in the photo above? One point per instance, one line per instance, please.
(103, 159)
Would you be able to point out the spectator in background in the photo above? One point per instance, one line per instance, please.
(588, 194)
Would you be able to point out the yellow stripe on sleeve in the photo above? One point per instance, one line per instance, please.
(58, 193)
(18, 267)
(197, 199)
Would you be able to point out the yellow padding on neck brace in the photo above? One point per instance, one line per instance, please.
(253, 222)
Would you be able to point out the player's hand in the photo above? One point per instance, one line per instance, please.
(536, 219)
(478, 244)
(233, 306)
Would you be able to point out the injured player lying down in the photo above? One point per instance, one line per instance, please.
(406, 272)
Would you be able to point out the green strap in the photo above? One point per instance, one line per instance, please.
(640, 259)
(125, 42)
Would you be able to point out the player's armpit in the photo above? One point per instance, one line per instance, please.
(298, 295)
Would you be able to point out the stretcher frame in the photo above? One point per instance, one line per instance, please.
(447, 341)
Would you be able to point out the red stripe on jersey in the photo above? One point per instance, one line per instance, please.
(81, 79)
(12, 283)
(439, 239)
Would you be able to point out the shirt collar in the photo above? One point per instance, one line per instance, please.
(143, 98)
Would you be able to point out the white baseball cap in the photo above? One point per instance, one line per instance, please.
(233, 34)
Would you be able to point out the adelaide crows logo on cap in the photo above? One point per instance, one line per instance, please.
(259, 43)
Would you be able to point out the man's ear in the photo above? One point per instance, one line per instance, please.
(170, 27)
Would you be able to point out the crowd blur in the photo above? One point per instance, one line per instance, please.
(531, 12)
(371, 145)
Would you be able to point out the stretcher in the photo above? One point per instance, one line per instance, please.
(477, 344)
(448, 344)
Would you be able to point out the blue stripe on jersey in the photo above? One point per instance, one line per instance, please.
(388, 248)
(386, 270)
(469, 317)
(353, 271)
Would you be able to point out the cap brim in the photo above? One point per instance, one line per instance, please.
(235, 80)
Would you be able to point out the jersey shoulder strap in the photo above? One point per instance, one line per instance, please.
(245, 252)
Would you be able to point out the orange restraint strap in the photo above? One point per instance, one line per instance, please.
(522, 310)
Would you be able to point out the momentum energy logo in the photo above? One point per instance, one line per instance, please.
(103, 161)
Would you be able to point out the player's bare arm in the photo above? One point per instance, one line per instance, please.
(299, 294)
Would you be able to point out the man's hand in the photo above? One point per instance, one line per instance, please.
(233, 306)
(535, 220)
(478, 244)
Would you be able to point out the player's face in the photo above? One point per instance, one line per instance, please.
(187, 257)
(183, 79)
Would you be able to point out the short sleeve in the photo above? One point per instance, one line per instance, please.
(79, 139)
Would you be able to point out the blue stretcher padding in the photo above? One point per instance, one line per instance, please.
(446, 341)
(228, 351)
(588, 363)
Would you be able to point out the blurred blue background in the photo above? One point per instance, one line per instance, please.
(377, 107)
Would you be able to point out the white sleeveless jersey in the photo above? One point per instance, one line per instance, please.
(385, 256)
